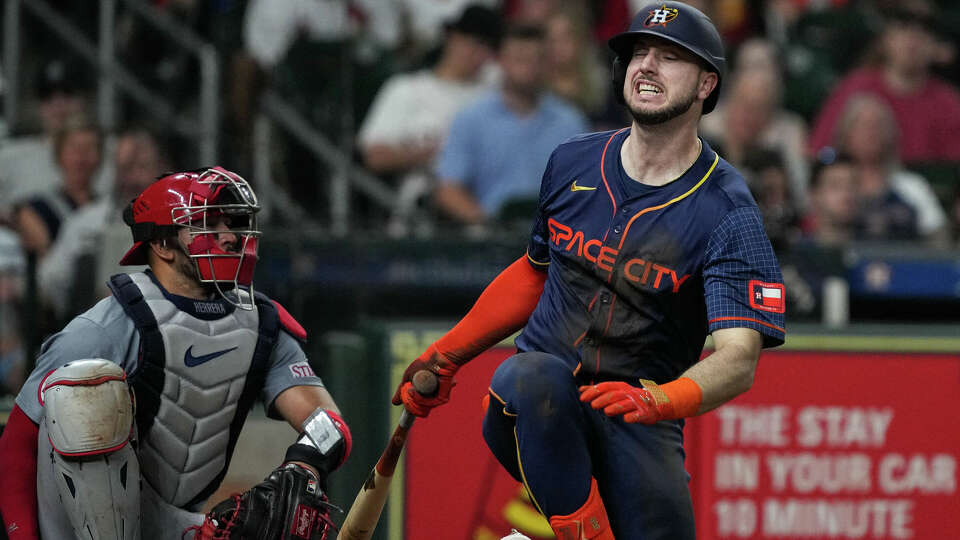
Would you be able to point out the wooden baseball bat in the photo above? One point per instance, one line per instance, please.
(365, 512)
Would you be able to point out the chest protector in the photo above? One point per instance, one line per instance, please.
(195, 382)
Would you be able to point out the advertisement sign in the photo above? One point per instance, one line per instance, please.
(825, 445)
(832, 445)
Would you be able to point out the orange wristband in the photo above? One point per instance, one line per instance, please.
(684, 396)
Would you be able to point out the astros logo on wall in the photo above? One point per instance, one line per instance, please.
(661, 16)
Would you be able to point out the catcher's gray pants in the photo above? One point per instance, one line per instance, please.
(158, 520)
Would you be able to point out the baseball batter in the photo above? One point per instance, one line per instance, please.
(129, 420)
(645, 241)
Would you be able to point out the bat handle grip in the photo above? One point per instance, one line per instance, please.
(406, 419)
(425, 383)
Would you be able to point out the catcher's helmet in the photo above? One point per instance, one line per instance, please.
(198, 200)
(681, 24)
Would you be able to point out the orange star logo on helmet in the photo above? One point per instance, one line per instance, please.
(661, 16)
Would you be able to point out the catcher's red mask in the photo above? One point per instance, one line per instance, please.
(199, 201)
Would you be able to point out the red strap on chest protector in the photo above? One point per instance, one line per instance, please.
(289, 323)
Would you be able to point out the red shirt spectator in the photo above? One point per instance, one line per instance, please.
(927, 110)
(929, 118)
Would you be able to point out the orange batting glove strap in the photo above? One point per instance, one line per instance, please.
(683, 395)
(646, 405)
(413, 401)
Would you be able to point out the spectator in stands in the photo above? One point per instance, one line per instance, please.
(817, 42)
(751, 117)
(831, 217)
(77, 149)
(769, 182)
(867, 133)
(884, 217)
(12, 348)
(95, 236)
(325, 59)
(271, 27)
(607, 17)
(757, 53)
(575, 72)
(532, 12)
(27, 164)
(411, 115)
(427, 21)
(927, 110)
(498, 147)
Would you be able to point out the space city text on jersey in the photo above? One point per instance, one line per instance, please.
(637, 270)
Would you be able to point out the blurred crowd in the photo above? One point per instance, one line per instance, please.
(843, 115)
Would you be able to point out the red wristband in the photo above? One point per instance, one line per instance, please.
(345, 430)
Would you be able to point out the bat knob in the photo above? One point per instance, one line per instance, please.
(425, 382)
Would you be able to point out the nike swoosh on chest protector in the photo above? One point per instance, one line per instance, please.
(190, 360)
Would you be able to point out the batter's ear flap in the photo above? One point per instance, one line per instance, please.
(619, 73)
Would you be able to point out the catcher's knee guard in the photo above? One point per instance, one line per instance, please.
(89, 420)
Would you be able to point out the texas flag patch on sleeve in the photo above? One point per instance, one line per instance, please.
(767, 296)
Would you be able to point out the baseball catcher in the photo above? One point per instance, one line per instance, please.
(127, 425)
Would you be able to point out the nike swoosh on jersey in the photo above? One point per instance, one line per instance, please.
(191, 361)
(575, 187)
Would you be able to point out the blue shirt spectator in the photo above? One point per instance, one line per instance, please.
(498, 146)
(499, 155)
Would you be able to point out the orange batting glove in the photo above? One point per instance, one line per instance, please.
(647, 405)
(417, 403)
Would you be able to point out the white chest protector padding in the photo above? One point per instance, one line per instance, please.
(206, 367)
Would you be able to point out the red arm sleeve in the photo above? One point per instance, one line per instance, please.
(18, 483)
(502, 309)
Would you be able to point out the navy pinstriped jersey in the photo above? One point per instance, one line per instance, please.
(638, 275)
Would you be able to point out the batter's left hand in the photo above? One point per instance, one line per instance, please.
(636, 405)
(431, 360)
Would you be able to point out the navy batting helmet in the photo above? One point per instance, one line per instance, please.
(681, 24)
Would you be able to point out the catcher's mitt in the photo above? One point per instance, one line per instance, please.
(288, 505)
